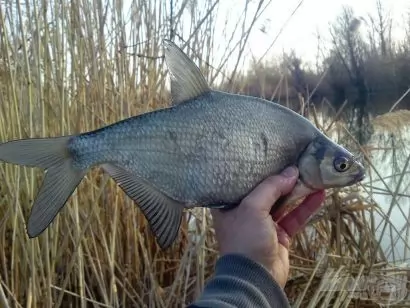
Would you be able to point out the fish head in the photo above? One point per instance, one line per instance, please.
(325, 164)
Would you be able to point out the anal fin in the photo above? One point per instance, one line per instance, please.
(164, 214)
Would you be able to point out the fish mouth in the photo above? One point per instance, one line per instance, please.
(358, 178)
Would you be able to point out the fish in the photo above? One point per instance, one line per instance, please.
(207, 148)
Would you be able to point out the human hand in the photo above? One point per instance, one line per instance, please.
(250, 230)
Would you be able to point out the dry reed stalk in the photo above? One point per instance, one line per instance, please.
(73, 66)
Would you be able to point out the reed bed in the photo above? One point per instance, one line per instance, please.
(74, 66)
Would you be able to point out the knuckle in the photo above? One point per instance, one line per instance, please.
(248, 200)
(280, 185)
(276, 181)
(269, 190)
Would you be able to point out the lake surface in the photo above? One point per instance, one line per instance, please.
(390, 163)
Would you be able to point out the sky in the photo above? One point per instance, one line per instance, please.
(300, 33)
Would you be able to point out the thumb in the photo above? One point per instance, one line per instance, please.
(265, 195)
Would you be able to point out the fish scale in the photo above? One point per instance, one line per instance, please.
(206, 150)
(209, 148)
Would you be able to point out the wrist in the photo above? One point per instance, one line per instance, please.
(239, 281)
(244, 268)
(238, 263)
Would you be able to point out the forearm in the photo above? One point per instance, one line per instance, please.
(241, 282)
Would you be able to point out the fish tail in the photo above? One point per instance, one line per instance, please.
(60, 181)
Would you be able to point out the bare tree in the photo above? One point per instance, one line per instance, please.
(382, 28)
(348, 56)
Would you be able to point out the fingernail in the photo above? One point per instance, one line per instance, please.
(290, 172)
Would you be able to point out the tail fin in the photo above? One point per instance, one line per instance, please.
(60, 181)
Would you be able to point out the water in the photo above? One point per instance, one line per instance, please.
(390, 164)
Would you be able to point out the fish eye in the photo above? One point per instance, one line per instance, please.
(341, 164)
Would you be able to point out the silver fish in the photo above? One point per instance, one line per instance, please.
(209, 148)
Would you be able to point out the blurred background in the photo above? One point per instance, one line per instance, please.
(72, 66)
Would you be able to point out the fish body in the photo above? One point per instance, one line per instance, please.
(210, 148)
(209, 151)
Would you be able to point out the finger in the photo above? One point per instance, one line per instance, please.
(269, 191)
(215, 212)
(299, 193)
(283, 237)
(293, 222)
(217, 215)
(283, 254)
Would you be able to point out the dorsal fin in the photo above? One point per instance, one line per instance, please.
(187, 81)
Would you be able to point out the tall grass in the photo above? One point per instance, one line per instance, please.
(73, 66)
